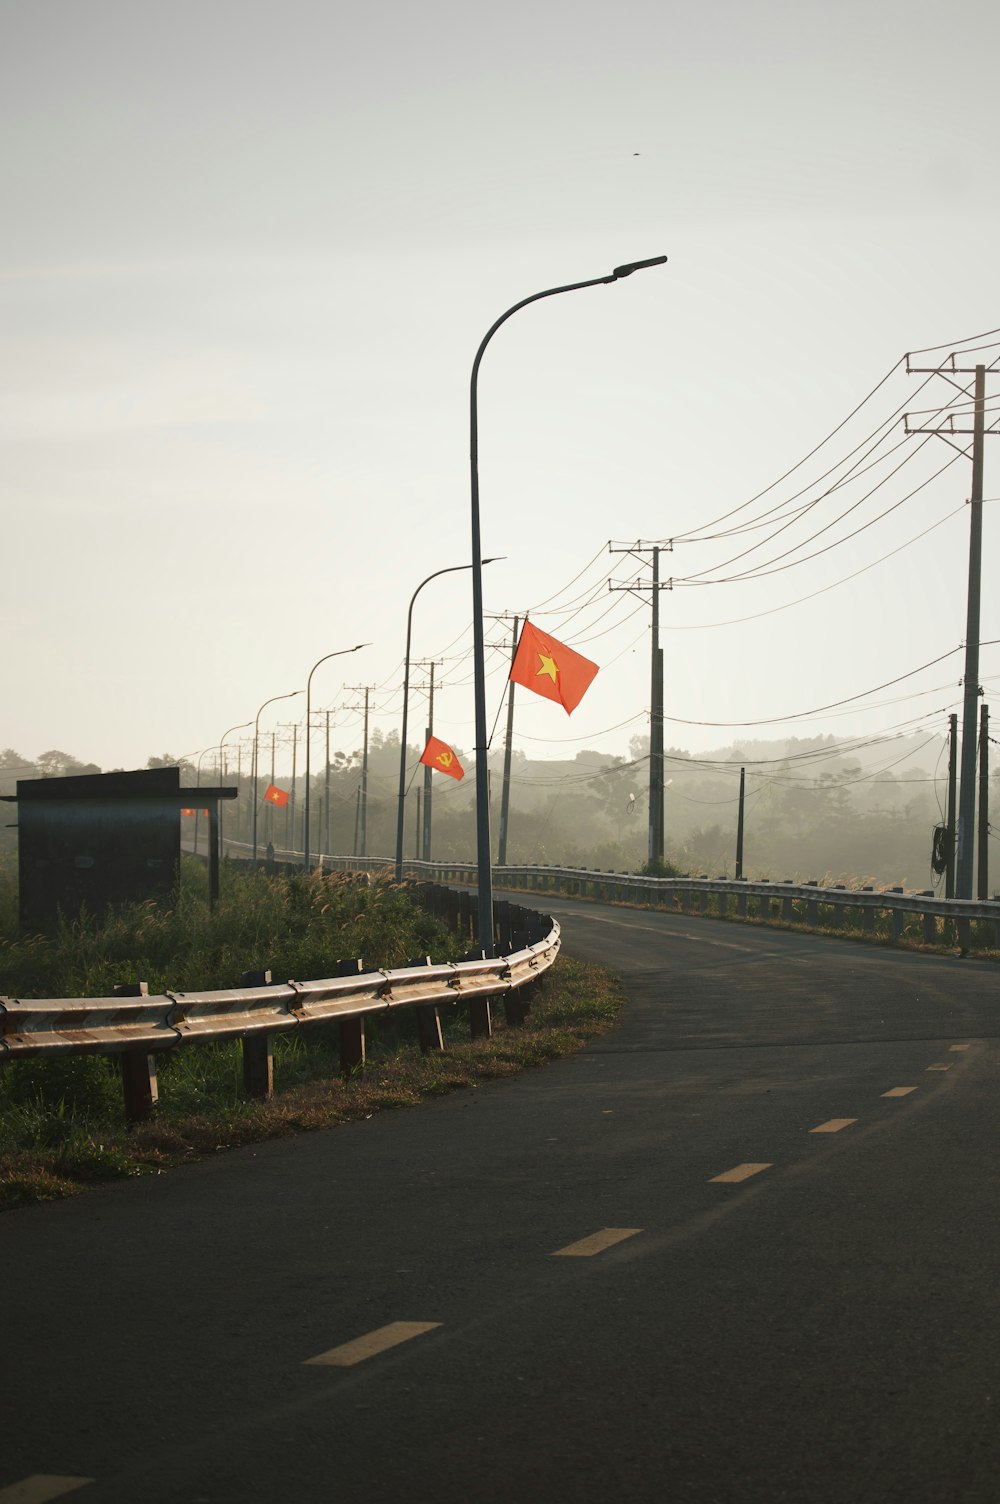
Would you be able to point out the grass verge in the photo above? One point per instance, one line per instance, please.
(48, 1153)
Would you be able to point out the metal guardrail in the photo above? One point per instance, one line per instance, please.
(140, 1027)
(697, 892)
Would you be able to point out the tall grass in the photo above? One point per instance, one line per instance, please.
(298, 926)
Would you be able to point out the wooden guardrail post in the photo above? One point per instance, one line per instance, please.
(930, 920)
(138, 1068)
(258, 1049)
(837, 909)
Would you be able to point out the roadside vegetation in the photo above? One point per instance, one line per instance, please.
(61, 1120)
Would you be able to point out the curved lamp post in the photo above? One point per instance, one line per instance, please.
(256, 735)
(338, 654)
(242, 727)
(451, 569)
(485, 873)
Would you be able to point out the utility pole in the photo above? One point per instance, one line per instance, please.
(270, 807)
(361, 821)
(290, 811)
(949, 871)
(739, 825)
(417, 842)
(947, 430)
(655, 843)
(983, 874)
(424, 849)
(326, 790)
(505, 795)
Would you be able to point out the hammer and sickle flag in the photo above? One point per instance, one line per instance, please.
(551, 669)
(438, 754)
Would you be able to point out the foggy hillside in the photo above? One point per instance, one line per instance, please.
(829, 806)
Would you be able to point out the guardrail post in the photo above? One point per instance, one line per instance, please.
(868, 914)
(741, 905)
(898, 917)
(837, 909)
(787, 912)
(352, 1045)
(516, 1005)
(138, 1068)
(480, 1020)
(258, 1049)
(812, 904)
(930, 920)
(964, 927)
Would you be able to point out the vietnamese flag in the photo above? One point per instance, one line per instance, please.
(277, 796)
(438, 754)
(551, 669)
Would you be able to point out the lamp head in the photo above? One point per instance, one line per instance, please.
(636, 266)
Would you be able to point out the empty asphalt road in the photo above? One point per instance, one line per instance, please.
(742, 1248)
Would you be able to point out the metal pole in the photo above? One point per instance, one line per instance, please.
(416, 844)
(290, 806)
(949, 874)
(428, 782)
(256, 733)
(216, 825)
(364, 787)
(401, 796)
(983, 872)
(505, 794)
(483, 853)
(326, 790)
(340, 653)
(270, 807)
(653, 853)
(739, 825)
(967, 792)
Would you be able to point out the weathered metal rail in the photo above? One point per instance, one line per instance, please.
(788, 901)
(139, 1027)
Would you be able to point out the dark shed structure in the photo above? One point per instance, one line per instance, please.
(97, 839)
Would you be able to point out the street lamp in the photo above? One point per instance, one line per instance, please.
(242, 727)
(256, 735)
(452, 569)
(485, 874)
(338, 654)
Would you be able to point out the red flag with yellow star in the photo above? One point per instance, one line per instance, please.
(274, 795)
(438, 754)
(551, 669)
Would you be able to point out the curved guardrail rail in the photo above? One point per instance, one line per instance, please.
(697, 893)
(139, 1027)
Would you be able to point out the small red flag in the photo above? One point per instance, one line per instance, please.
(551, 669)
(438, 754)
(187, 811)
(277, 796)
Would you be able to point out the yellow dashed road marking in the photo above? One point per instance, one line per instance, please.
(958, 1047)
(371, 1344)
(899, 1091)
(596, 1243)
(834, 1125)
(939, 1067)
(40, 1487)
(739, 1172)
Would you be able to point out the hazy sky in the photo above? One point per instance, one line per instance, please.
(250, 249)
